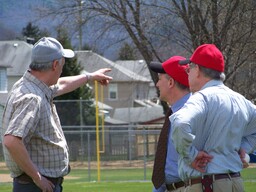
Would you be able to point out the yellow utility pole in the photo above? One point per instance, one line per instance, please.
(97, 129)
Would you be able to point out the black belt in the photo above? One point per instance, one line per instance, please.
(174, 186)
(25, 178)
(212, 177)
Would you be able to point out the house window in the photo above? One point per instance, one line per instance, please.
(112, 91)
(3, 80)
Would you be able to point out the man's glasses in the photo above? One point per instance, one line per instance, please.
(190, 66)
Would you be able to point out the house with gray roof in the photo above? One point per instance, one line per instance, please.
(126, 86)
(140, 115)
(140, 67)
(129, 93)
(128, 89)
(15, 59)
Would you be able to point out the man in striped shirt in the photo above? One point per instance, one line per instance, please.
(35, 148)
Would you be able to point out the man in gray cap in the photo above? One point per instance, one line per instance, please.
(35, 148)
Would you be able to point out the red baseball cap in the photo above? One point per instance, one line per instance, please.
(208, 56)
(172, 68)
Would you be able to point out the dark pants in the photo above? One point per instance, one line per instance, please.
(31, 187)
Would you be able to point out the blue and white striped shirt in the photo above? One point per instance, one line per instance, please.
(218, 121)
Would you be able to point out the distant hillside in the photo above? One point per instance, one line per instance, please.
(14, 15)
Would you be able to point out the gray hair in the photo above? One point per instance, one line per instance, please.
(216, 75)
(42, 66)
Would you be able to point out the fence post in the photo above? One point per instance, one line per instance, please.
(145, 152)
(81, 129)
(89, 155)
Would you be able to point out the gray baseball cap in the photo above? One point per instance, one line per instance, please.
(49, 49)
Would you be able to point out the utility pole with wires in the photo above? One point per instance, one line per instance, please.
(80, 23)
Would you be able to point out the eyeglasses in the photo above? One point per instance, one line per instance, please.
(190, 66)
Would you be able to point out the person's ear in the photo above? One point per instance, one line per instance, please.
(54, 64)
(171, 82)
(197, 68)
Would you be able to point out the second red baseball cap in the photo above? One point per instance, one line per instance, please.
(172, 68)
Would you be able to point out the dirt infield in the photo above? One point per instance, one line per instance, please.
(5, 178)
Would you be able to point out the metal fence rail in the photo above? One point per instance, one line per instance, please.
(124, 147)
(119, 143)
(133, 147)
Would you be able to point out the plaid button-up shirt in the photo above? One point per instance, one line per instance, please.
(31, 115)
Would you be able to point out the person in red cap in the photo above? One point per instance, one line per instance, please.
(216, 126)
(174, 89)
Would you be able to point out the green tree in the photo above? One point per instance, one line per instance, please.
(84, 93)
(86, 47)
(31, 32)
(70, 68)
(126, 52)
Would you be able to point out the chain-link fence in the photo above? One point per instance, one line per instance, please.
(116, 143)
(120, 146)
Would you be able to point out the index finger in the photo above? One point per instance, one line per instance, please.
(106, 70)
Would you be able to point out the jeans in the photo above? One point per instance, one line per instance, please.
(31, 187)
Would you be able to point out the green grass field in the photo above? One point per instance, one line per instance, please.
(125, 180)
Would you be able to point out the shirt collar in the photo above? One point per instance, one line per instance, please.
(179, 104)
(47, 90)
(212, 83)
